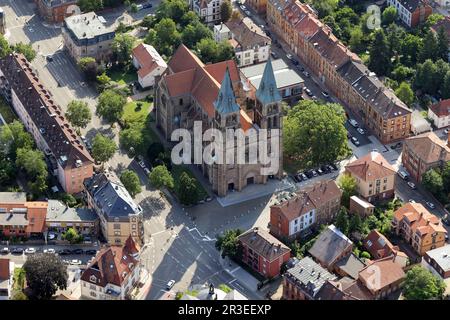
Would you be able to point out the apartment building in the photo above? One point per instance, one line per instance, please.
(88, 35)
(317, 204)
(65, 153)
(437, 261)
(113, 274)
(339, 69)
(55, 11)
(375, 177)
(120, 217)
(411, 12)
(149, 64)
(439, 113)
(417, 226)
(250, 43)
(207, 10)
(262, 252)
(424, 152)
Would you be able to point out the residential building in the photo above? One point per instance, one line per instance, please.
(149, 64)
(221, 32)
(120, 217)
(443, 23)
(88, 35)
(424, 152)
(437, 261)
(207, 10)
(258, 5)
(55, 11)
(330, 246)
(417, 226)
(412, 12)
(304, 280)
(113, 274)
(361, 207)
(375, 177)
(289, 83)
(336, 290)
(67, 156)
(382, 277)
(380, 247)
(439, 113)
(195, 96)
(250, 43)
(316, 204)
(6, 278)
(61, 217)
(262, 252)
(19, 217)
(339, 69)
(349, 266)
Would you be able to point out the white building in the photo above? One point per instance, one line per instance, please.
(439, 113)
(437, 261)
(207, 10)
(149, 64)
(113, 274)
(251, 44)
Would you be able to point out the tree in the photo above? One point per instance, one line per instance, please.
(442, 44)
(309, 126)
(89, 67)
(72, 236)
(187, 189)
(356, 41)
(433, 182)
(194, 32)
(131, 182)
(389, 15)
(103, 148)
(78, 113)
(90, 5)
(122, 46)
(410, 46)
(207, 50)
(225, 11)
(173, 9)
(324, 7)
(45, 273)
(26, 49)
(224, 51)
(5, 49)
(188, 18)
(421, 284)
(134, 8)
(32, 161)
(160, 177)
(342, 222)
(380, 59)
(349, 188)
(446, 176)
(401, 73)
(228, 243)
(430, 47)
(355, 223)
(12, 137)
(164, 36)
(405, 93)
(132, 139)
(110, 105)
(103, 80)
(427, 77)
(445, 86)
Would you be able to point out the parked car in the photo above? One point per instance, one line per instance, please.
(325, 94)
(325, 169)
(5, 251)
(295, 62)
(314, 173)
(301, 68)
(147, 171)
(335, 168)
(403, 174)
(51, 236)
(411, 201)
(411, 185)
(314, 98)
(306, 74)
(353, 123)
(243, 8)
(50, 250)
(274, 55)
(147, 5)
(248, 13)
(17, 251)
(361, 131)
(77, 251)
(64, 252)
(446, 221)
(289, 56)
(304, 177)
(170, 284)
(49, 58)
(308, 174)
(308, 92)
(319, 172)
(430, 205)
(142, 164)
(446, 131)
(30, 250)
(91, 252)
(75, 262)
(355, 141)
(296, 178)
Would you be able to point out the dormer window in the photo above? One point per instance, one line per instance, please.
(93, 279)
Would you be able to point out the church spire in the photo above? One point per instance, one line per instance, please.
(226, 101)
(267, 92)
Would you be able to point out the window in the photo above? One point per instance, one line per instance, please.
(117, 226)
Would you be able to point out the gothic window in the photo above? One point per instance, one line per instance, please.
(181, 101)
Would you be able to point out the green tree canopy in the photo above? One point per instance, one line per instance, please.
(309, 126)
(430, 47)
(89, 67)
(349, 188)
(103, 148)
(228, 243)
(110, 105)
(380, 54)
(421, 284)
(342, 221)
(161, 177)
(164, 36)
(78, 113)
(131, 182)
(225, 11)
(132, 139)
(187, 190)
(122, 46)
(45, 273)
(405, 93)
(12, 137)
(194, 32)
(5, 49)
(389, 15)
(442, 44)
(26, 49)
(433, 182)
(32, 161)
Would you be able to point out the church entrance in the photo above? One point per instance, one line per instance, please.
(250, 180)
(231, 186)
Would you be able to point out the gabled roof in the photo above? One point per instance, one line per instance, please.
(351, 265)
(441, 256)
(267, 92)
(388, 273)
(428, 147)
(112, 265)
(148, 58)
(371, 167)
(420, 220)
(442, 108)
(247, 33)
(378, 245)
(226, 101)
(263, 243)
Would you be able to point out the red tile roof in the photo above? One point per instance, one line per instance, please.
(381, 273)
(5, 273)
(263, 243)
(442, 108)
(419, 218)
(372, 166)
(148, 59)
(378, 245)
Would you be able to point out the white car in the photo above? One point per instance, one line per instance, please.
(248, 13)
(411, 185)
(446, 131)
(243, 7)
(353, 122)
(361, 131)
(411, 201)
(50, 250)
(75, 262)
(5, 250)
(147, 171)
(30, 250)
(430, 205)
(170, 284)
(325, 94)
(142, 164)
(51, 236)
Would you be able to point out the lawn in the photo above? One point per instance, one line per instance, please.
(178, 170)
(136, 112)
(6, 111)
(123, 77)
(19, 279)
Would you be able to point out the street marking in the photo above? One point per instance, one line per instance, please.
(235, 269)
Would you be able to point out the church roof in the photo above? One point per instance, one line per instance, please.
(226, 101)
(267, 92)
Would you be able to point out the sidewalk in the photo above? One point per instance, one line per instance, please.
(142, 292)
(234, 270)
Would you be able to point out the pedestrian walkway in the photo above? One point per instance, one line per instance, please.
(234, 270)
(145, 280)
